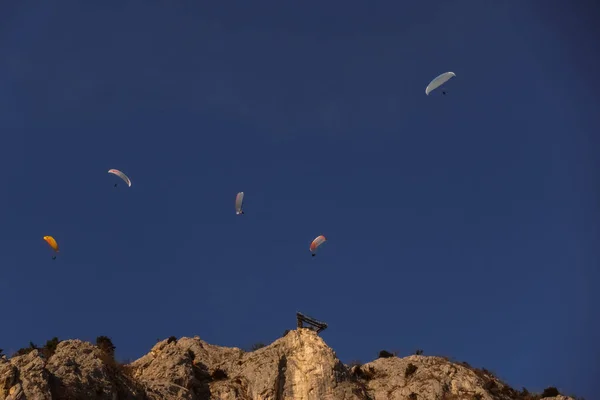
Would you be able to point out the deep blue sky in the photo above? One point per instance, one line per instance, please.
(465, 225)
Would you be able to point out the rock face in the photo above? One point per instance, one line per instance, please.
(298, 366)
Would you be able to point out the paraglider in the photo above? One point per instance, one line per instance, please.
(239, 202)
(120, 175)
(319, 240)
(439, 81)
(52, 243)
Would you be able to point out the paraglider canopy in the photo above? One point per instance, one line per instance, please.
(439, 81)
(318, 241)
(239, 202)
(52, 243)
(120, 175)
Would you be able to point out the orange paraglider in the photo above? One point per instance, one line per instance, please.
(52, 243)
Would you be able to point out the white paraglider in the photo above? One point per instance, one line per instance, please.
(439, 81)
(120, 175)
(318, 241)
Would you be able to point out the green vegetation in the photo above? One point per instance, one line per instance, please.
(47, 351)
(50, 347)
(492, 387)
(550, 392)
(106, 345)
(385, 354)
(410, 369)
(25, 350)
(191, 354)
(445, 388)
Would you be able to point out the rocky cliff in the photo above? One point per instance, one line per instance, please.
(298, 366)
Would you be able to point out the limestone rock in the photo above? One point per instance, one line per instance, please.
(29, 377)
(298, 366)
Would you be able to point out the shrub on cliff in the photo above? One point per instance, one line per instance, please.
(550, 392)
(25, 350)
(50, 347)
(410, 369)
(106, 345)
(385, 354)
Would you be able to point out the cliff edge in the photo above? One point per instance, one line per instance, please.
(298, 366)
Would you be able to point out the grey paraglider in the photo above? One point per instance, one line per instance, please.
(239, 203)
(439, 81)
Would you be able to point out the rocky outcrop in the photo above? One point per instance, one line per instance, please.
(24, 377)
(298, 366)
